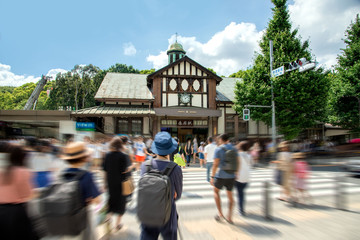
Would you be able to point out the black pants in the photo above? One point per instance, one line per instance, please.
(240, 187)
(15, 223)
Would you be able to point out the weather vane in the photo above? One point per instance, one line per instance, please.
(176, 37)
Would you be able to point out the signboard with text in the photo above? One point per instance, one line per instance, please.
(189, 123)
(85, 126)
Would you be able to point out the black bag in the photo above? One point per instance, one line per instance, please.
(278, 177)
(62, 206)
(231, 160)
(154, 196)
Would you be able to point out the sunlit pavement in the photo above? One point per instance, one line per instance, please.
(317, 220)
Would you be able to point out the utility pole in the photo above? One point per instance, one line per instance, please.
(272, 96)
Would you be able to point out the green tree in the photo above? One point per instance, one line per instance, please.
(4, 89)
(300, 98)
(150, 71)
(345, 91)
(239, 74)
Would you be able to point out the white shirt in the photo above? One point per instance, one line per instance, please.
(244, 167)
(210, 149)
(40, 162)
(139, 147)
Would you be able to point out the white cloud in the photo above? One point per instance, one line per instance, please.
(324, 23)
(129, 49)
(226, 52)
(8, 78)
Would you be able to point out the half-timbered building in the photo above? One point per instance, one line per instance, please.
(184, 98)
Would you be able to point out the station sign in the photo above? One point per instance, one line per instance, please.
(85, 126)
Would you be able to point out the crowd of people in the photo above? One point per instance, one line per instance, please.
(30, 165)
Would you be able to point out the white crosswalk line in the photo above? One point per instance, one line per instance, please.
(198, 193)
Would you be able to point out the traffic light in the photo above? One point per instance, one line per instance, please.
(297, 64)
(246, 114)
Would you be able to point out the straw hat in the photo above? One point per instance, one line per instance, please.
(298, 155)
(75, 150)
(283, 144)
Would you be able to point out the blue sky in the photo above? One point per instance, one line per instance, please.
(44, 37)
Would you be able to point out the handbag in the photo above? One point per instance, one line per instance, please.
(128, 186)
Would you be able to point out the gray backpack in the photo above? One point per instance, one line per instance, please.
(231, 160)
(154, 195)
(62, 206)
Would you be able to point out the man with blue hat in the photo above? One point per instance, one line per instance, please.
(164, 145)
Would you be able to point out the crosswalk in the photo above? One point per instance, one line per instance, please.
(198, 193)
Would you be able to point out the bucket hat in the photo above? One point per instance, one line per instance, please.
(75, 150)
(163, 144)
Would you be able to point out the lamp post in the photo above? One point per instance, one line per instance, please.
(273, 128)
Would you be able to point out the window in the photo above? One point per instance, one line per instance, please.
(122, 126)
(136, 127)
(131, 126)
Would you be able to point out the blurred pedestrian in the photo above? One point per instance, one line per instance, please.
(301, 171)
(116, 165)
(195, 149)
(255, 153)
(188, 151)
(16, 189)
(201, 154)
(221, 178)
(209, 156)
(163, 145)
(40, 161)
(76, 154)
(286, 168)
(140, 151)
(178, 155)
(243, 173)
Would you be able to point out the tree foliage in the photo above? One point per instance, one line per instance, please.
(345, 90)
(300, 98)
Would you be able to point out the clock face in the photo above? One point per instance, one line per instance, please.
(185, 98)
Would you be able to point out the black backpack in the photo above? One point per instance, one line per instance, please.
(231, 160)
(62, 206)
(154, 195)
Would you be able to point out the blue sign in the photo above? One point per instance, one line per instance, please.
(278, 72)
(85, 126)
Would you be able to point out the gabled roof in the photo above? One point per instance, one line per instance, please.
(117, 86)
(225, 90)
(183, 59)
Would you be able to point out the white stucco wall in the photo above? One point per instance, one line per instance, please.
(146, 125)
(221, 125)
(252, 127)
(263, 128)
(109, 125)
(196, 100)
(173, 99)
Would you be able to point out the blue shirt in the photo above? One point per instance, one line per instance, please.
(220, 154)
(176, 179)
(88, 187)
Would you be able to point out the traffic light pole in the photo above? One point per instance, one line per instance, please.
(272, 97)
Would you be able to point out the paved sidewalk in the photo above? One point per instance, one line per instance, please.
(319, 220)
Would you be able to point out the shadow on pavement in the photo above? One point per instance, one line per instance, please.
(256, 229)
(311, 206)
(260, 218)
(123, 235)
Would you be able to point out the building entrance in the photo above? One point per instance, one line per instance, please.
(184, 133)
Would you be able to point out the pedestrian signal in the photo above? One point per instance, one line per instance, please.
(246, 114)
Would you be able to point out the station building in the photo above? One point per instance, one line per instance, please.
(184, 98)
